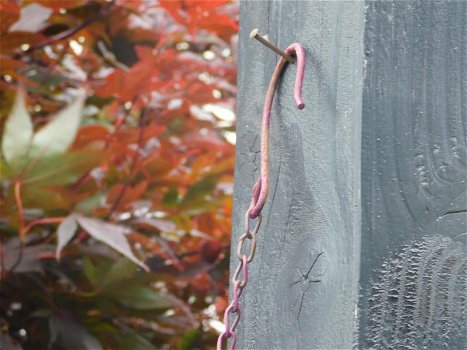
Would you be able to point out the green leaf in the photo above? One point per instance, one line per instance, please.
(65, 232)
(18, 131)
(20, 144)
(91, 272)
(195, 196)
(112, 235)
(87, 205)
(190, 338)
(106, 274)
(132, 340)
(141, 297)
(121, 270)
(60, 169)
(125, 338)
(47, 199)
(170, 197)
(55, 137)
(43, 76)
(30, 256)
(66, 333)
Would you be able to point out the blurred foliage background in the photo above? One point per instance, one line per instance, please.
(117, 161)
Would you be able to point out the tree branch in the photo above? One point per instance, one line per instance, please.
(142, 125)
(117, 126)
(55, 220)
(19, 208)
(104, 10)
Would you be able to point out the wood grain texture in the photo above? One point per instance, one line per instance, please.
(314, 200)
(413, 275)
(385, 89)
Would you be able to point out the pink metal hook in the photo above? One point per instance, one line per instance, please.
(260, 190)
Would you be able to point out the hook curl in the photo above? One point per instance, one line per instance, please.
(261, 188)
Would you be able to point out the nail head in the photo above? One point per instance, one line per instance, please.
(254, 33)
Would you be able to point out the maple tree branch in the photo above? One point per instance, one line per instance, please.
(2, 259)
(198, 252)
(104, 10)
(19, 258)
(19, 207)
(23, 230)
(53, 69)
(121, 194)
(55, 220)
(118, 124)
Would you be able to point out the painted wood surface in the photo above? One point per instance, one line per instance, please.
(371, 174)
(414, 267)
(314, 199)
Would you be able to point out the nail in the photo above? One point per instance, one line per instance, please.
(254, 35)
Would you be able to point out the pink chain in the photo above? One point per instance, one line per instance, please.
(260, 193)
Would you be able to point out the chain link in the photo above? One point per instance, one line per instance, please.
(251, 235)
(239, 281)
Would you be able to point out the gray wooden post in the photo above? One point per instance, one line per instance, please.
(371, 174)
(413, 257)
